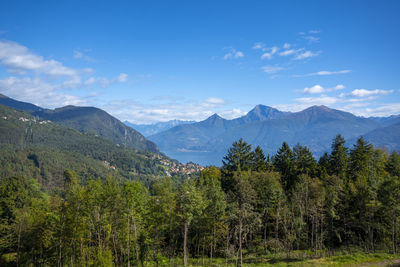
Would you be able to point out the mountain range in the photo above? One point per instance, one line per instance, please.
(155, 128)
(206, 142)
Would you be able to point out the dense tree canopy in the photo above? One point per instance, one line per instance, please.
(252, 205)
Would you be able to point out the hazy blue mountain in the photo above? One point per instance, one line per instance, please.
(207, 141)
(386, 137)
(151, 129)
(89, 120)
(386, 121)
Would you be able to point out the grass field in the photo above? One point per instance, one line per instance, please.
(354, 259)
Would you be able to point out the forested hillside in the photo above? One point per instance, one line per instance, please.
(89, 120)
(42, 149)
(252, 207)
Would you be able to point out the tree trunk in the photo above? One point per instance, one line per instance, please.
(136, 237)
(240, 241)
(277, 224)
(185, 232)
(128, 245)
(203, 245)
(212, 245)
(19, 242)
(393, 233)
(265, 235)
(227, 247)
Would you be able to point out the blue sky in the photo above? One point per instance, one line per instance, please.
(147, 61)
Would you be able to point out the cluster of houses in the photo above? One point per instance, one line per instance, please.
(23, 119)
(188, 168)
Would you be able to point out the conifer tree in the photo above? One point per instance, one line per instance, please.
(259, 160)
(284, 163)
(338, 158)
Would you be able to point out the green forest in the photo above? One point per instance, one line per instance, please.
(253, 207)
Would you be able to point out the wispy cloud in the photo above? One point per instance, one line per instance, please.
(233, 54)
(322, 73)
(364, 92)
(123, 77)
(46, 82)
(258, 45)
(310, 36)
(368, 110)
(314, 31)
(80, 55)
(272, 69)
(306, 54)
(272, 51)
(290, 52)
(169, 108)
(104, 82)
(311, 39)
(320, 100)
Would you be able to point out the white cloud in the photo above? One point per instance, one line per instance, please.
(323, 73)
(311, 39)
(78, 54)
(233, 54)
(18, 59)
(123, 77)
(339, 87)
(272, 52)
(272, 69)
(258, 45)
(228, 56)
(169, 108)
(318, 89)
(239, 54)
(306, 54)
(364, 92)
(314, 31)
(232, 113)
(90, 81)
(290, 52)
(37, 91)
(214, 101)
(286, 46)
(368, 110)
(321, 100)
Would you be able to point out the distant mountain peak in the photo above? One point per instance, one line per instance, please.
(215, 116)
(318, 107)
(262, 113)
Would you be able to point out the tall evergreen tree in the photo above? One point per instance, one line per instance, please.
(304, 161)
(360, 158)
(338, 158)
(393, 164)
(239, 157)
(259, 161)
(284, 163)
